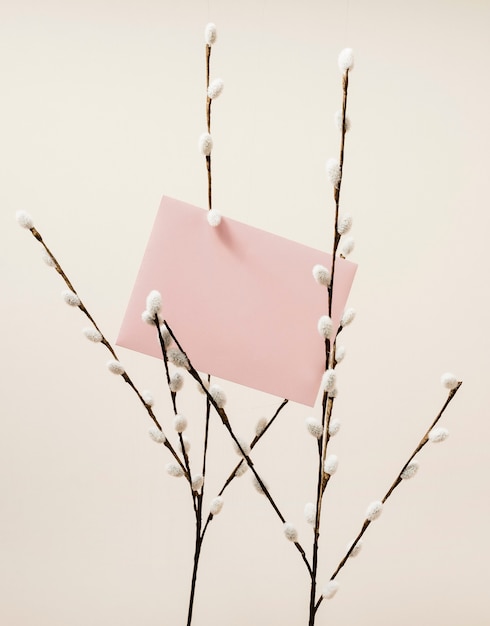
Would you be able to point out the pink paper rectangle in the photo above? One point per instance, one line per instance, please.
(241, 301)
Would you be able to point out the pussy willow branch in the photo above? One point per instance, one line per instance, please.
(208, 123)
(394, 485)
(327, 402)
(108, 346)
(226, 422)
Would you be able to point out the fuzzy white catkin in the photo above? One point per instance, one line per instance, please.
(48, 259)
(174, 470)
(180, 423)
(260, 426)
(156, 435)
(348, 317)
(210, 34)
(356, 549)
(334, 393)
(115, 367)
(92, 334)
(148, 398)
(244, 446)
(154, 303)
(215, 88)
(218, 395)
(314, 427)
(322, 275)
(205, 144)
(346, 60)
(257, 485)
(214, 218)
(176, 382)
(197, 482)
(374, 510)
(347, 246)
(241, 469)
(338, 121)
(325, 326)
(310, 513)
(178, 358)
(330, 589)
(449, 380)
(340, 353)
(344, 225)
(333, 427)
(333, 171)
(147, 318)
(290, 532)
(331, 464)
(410, 470)
(24, 220)
(186, 442)
(216, 505)
(329, 380)
(438, 434)
(70, 298)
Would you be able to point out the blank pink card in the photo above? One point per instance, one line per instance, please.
(242, 302)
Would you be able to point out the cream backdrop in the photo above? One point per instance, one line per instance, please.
(101, 106)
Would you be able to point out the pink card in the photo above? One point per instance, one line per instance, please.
(241, 301)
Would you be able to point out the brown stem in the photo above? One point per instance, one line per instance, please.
(208, 124)
(393, 486)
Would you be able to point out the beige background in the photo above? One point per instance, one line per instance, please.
(102, 104)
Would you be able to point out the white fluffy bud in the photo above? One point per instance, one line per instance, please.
(173, 469)
(210, 34)
(156, 435)
(347, 246)
(329, 380)
(180, 423)
(290, 532)
(70, 298)
(115, 367)
(218, 395)
(92, 334)
(333, 427)
(338, 121)
(331, 464)
(216, 505)
(374, 510)
(24, 220)
(410, 470)
(310, 513)
(322, 275)
(214, 218)
(197, 482)
(325, 326)
(333, 171)
(449, 381)
(330, 589)
(314, 427)
(344, 225)
(154, 303)
(346, 60)
(215, 88)
(148, 398)
(176, 382)
(438, 434)
(261, 425)
(205, 144)
(348, 317)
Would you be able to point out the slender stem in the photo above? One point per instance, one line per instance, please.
(109, 347)
(345, 85)
(393, 486)
(208, 123)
